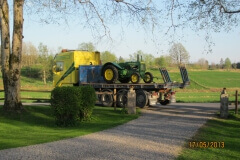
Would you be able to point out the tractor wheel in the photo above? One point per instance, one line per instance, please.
(107, 99)
(122, 98)
(135, 78)
(141, 98)
(148, 77)
(110, 74)
(165, 102)
(125, 80)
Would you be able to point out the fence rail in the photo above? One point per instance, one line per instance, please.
(29, 98)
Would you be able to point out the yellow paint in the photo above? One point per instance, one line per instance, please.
(66, 59)
(108, 74)
(134, 78)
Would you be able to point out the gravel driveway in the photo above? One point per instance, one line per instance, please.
(159, 133)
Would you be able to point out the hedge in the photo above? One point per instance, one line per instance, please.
(72, 104)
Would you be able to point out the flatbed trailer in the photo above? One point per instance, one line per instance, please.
(147, 94)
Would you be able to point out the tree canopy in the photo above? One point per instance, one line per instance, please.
(179, 54)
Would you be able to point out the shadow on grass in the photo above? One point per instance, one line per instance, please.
(44, 116)
(33, 115)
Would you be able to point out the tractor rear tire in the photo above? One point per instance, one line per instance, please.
(148, 77)
(135, 78)
(110, 74)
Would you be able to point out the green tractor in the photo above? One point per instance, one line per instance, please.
(125, 72)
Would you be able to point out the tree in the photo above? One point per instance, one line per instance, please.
(139, 53)
(11, 54)
(234, 65)
(107, 56)
(45, 60)
(147, 58)
(87, 47)
(221, 65)
(227, 64)
(211, 15)
(179, 54)
(203, 63)
(213, 66)
(238, 65)
(161, 61)
(91, 12)
(29, 54)
(121, 59)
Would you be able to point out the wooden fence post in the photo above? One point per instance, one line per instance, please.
(115, 98)
(236, 102)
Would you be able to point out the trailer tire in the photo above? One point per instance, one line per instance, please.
(107, 99)
(122, 98)
(141, 98)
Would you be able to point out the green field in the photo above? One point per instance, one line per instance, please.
(207, 79)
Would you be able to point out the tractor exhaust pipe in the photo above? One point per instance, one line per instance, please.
(138, 58)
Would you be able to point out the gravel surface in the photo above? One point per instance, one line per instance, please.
(159, 133)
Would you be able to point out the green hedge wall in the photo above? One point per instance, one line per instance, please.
(72, 104)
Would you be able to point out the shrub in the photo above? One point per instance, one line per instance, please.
(31, 72)
(72, 104)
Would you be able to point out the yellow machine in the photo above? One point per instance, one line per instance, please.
(66, 63)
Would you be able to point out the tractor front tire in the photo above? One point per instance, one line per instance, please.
(148, 77)
(135, 78)
(110, 74)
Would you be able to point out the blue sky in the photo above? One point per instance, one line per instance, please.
(227, 45)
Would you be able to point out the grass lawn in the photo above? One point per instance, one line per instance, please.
(204, 96)
(204, 79)
(37, 125)
(215, 130)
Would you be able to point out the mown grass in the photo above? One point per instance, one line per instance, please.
(198, 96)
(215, 130)
(31, 84)
(216, 79)
(205, 79)
(37, 125)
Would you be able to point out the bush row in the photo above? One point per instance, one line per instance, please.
(72, 104)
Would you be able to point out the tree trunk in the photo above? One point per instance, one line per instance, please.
(44, 77)
(11, 59)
